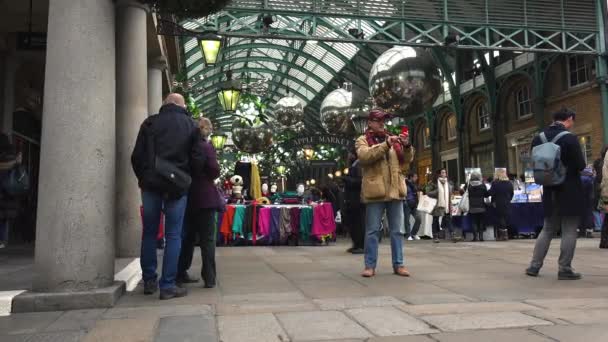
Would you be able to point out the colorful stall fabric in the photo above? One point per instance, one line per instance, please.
(256, 183)
(277, 224)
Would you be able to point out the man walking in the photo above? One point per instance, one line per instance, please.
(203, 202)
(383, 159)
(166, 152)
(355, 210)
(562, 202)
(409, 208)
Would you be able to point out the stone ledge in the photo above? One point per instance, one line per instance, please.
(62, 301)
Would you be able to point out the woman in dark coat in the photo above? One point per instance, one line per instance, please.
(355, 210)
(477, 206)
(502, 194)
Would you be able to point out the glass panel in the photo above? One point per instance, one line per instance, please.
(451, 127)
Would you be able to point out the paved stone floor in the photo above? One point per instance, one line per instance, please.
(458, 292)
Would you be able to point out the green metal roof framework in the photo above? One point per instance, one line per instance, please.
(282, 55)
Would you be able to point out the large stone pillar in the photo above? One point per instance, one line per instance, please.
(75, 230)
(156, 66)
(131, 111)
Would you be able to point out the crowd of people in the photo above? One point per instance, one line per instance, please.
(176, 167)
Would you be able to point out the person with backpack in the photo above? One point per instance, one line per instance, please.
(167, 151)
(557, 160)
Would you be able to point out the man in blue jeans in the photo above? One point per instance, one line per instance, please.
(383, 159)
(167, 151)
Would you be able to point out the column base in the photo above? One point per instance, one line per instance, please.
(61, 301)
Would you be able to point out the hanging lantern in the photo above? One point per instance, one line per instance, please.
(210, 44)
(281, 170)
(230, 93)
(338, 173)
(218, 140)
(308, 152)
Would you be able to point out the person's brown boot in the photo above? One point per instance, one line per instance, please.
(401, 271)
(368, 273)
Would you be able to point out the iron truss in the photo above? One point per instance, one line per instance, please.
(348, 36)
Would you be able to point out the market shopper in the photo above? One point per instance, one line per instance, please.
(586, 223)
(477, 206)
(603, 203)
(354, 217)
(502, 193)
(409, 208)
(383, 159)
(441, 189)
(563, 203)
(166, 150)
(203, 203)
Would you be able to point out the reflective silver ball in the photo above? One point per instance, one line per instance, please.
(405, 80)
(289, 111)
(336, 112)
(251, 139)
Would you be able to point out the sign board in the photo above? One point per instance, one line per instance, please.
(321, 139)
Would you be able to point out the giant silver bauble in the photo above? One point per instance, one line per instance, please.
(289, 111)
(251, 139)
(336, 112)
(405, 80)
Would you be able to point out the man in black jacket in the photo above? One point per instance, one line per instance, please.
(563, 204)
(354, 217)
(170, 138)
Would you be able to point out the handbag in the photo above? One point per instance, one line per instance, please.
(17, 182)
(427, 204)
(463, 206)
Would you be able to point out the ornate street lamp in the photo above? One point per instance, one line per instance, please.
(309, 152)
(229, 94)
(218, 140)
(210, 45)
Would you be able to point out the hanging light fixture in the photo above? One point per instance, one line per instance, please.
(281, 170)
(218, 140)
(309, 152)
(210, 45)
(229, 94)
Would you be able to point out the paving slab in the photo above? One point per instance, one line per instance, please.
(333, 288)
(238, 309)
(122, 330)
(157, 311)
(265, 297)
(254, 328)
(461, 308)
(499, 335)
(415, 338)
(439, 298)
(389, 321)
(76, 320)
(356, 302)
(575, 333)
(573, 316)
(27, 323)
(474, 321)
(187, 329)
(64, 336)
(321, 325)
(570, 303)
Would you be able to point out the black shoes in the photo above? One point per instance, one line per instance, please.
(175, 292)
(150, 287)
(568, 275)
(186, 279)
(357, 251)
(532, 271)
(209, 286)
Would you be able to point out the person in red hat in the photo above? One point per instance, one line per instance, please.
(384, 159)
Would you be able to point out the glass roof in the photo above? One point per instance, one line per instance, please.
(305, 68)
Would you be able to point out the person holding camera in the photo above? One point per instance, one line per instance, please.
(383, 158)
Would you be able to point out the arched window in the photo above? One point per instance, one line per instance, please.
(483, 117)
(523, 103)
(424, 136)
(451, 128)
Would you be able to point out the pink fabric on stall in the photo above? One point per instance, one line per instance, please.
(264, 222)
(323, 221)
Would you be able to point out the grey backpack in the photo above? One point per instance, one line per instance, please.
(547, 161)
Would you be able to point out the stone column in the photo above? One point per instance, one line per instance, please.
(131, 111)
(156, 66)
(75, 230)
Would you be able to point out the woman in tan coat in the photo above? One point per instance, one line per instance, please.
(383, 159)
